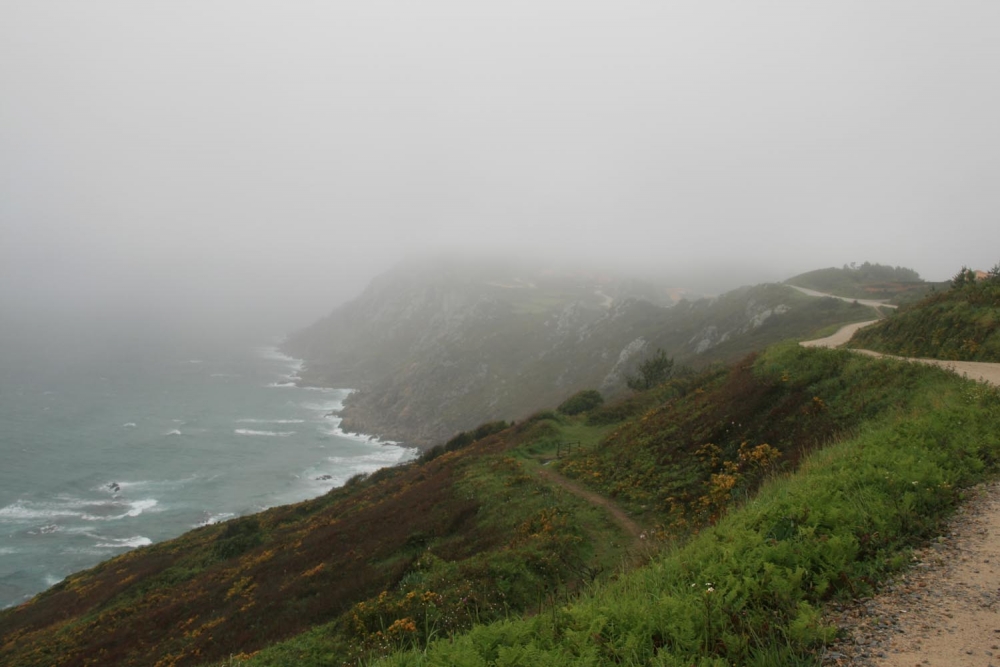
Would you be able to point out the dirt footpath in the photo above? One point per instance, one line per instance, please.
(974, 370)
(622, 519)
(843, 335)
(941, 613)
(945, 611)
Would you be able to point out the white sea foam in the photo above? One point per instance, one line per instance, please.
(22, 510)
(174, 432)
(273, 354)
(134, 509)
(68, 507)
(139, 506)
(273, 434)
(335, 430)
(129, 425)
(215, 518)
(345, 467)
(379, 457)
(107, 487)
(326, 407)
(7, 551)
(125, 542)
(52, 580)
(270, 421)
(280, 385)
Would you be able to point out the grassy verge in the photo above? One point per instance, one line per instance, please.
(748, 589)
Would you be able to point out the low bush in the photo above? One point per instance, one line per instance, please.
(749, 589)
(582, 401)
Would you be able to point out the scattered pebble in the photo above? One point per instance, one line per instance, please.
(943, 607)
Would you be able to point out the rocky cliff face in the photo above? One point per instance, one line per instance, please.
(434, 349)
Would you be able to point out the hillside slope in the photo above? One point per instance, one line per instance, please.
(895, 284)
(467, 537)
(435, 349)
(749, 589)
(960, 323)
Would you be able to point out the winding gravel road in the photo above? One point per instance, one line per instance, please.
(943, 611)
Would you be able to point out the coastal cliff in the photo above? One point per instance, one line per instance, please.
(434, 348)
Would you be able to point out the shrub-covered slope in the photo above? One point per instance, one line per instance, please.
(464, 542)
(868, 281)
(961, 323)
(435, 349)
(749, 589)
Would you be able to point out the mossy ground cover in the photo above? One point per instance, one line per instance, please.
(748, 589)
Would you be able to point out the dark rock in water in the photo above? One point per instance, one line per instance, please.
(324, 478)
(114, 486)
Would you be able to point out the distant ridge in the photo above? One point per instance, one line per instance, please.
(436, 348)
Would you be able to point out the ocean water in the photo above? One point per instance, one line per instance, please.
(104, 453)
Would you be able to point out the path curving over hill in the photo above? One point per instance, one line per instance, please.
(944, 610)
(981, 371)
(872, 303)
(843, 335)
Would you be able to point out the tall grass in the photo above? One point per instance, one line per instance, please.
(749, 589)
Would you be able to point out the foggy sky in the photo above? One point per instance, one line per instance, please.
(226, 161)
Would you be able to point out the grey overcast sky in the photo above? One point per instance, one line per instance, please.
(226, 158)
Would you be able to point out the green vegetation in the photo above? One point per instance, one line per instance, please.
(867, 281)
(581, 401)
(762, 491)
(652, 372)
(470, 344)
(961, 323)
(749, 589)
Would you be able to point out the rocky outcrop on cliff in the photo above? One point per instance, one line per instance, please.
(436, 348)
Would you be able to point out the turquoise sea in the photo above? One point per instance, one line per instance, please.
(102, 453)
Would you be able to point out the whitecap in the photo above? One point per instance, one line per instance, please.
(270, 421)
(273, 434)
(215, 518)
(381, 456)
(129, 425)
(52, 580)
(335, 430)
(134, 509)
(280, 385)
(125, 543)
(27, 511)
(174, 432)
(327, 407)
(139, 506)
(144, 484)
(345, 467)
